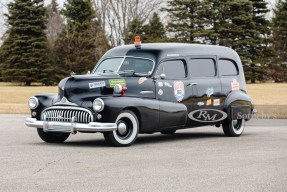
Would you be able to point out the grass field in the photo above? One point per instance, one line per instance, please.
(269, 98)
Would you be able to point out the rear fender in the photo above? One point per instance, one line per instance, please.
(238, 105)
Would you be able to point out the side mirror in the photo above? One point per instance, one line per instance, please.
(162, 76)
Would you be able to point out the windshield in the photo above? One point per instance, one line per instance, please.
(126, 65)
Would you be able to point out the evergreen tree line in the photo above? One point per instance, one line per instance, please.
(45, 44)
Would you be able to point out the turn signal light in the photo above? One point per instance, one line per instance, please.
(138, 42)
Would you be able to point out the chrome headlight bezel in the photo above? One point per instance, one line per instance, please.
(33, 102)
(98, 105)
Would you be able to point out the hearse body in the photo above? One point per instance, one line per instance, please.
(158, 87)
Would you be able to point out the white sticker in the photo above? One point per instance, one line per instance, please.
(200, 103)
(97, 84)
(179, 92)
(160, 92)
(235, 85)
(216, 102)
(167, 84)
(142, 80)
(160, 84)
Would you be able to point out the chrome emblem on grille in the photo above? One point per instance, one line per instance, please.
(65, 101)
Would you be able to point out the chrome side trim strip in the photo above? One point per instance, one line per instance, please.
(146, 92)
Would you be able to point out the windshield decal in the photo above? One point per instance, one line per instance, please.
(113, 82)
(97, 84)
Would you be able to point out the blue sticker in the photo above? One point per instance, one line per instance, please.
(209, 92)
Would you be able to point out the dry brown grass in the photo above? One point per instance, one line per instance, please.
(13, 99)
(269, 98)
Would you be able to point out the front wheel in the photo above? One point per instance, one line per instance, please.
(52, 137)
(127, 130)
(233, 128)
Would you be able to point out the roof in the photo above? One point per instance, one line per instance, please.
(159, 51)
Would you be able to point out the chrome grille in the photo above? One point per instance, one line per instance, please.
(66, 114)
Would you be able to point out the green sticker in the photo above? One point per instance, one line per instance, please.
(113, 82)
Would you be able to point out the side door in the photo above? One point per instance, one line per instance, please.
(204, 78)
(170, 91)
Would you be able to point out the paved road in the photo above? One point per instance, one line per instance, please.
(191, 160)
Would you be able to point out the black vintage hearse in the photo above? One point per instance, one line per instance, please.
(145, 89)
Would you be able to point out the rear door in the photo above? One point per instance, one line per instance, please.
(204, 78)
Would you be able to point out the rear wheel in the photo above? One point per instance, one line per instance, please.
(127, 130)
(233, 128)
(52, 137)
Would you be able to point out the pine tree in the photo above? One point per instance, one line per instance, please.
(184, 20)
(260, 40)
(278, 70)
(81, 43)
(154, 30)
(136, 28)
(25, 52)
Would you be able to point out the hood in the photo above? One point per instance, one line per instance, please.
(83, 89)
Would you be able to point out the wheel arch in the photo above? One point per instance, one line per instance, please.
(136, 111)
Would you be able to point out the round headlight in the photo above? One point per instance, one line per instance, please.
(33, 102)
(98, 105)
(118, 88)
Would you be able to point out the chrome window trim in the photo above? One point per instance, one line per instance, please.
(124, 57)
(69, 108)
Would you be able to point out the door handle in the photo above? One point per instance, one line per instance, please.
(191, 84)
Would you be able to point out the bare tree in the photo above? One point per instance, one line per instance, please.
(55, 22)
(3, 25)
(115, 16)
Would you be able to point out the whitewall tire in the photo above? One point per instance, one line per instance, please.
(127, 131)
(233, 128)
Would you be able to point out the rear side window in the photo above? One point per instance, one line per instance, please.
(173, 69)
(227, 68)
(202, 67)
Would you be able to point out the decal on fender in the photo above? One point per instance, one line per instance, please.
(97, 84)
(160, 92)
(113, 82)
(179, 93)
(235, 85)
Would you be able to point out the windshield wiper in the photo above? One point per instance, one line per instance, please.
(132, 73)
(108, 70)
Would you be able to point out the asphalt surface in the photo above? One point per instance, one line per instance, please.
(199, 159)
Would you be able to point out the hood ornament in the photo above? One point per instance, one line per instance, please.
(65, 101)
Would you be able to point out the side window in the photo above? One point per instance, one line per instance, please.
(173, 69)
(202, 67)
(227, 68)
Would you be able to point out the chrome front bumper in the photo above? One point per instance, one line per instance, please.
(70, 127)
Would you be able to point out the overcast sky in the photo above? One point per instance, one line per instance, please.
(3, 9)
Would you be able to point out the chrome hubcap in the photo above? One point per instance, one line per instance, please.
(122, 128)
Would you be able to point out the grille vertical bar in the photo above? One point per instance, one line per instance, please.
(65, 114)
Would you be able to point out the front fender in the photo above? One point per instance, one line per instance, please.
(45, 100)
(147, 111)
